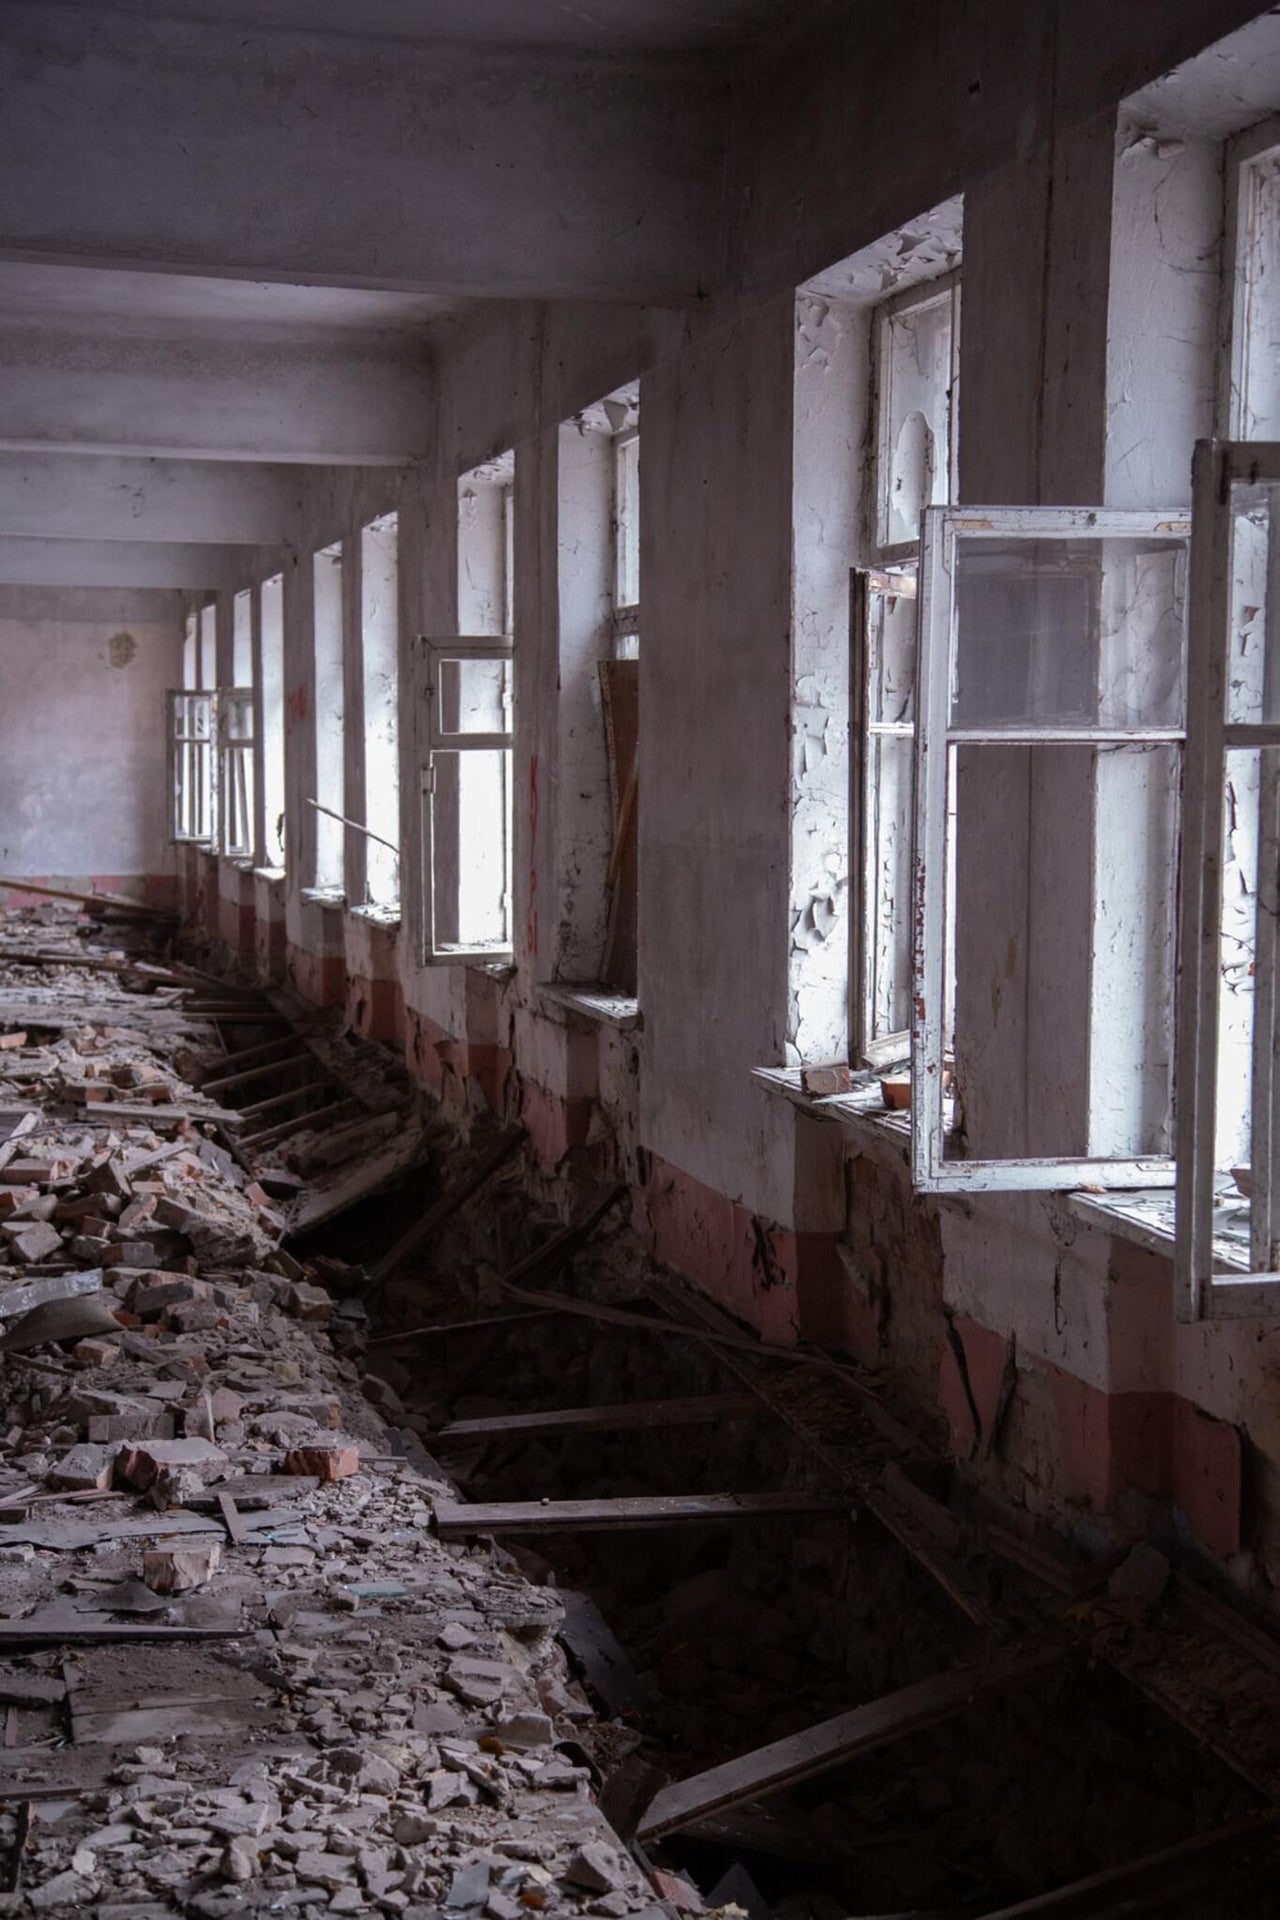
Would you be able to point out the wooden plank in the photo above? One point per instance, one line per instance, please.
(318, 1117)
(333, 1192)
(1161, 1882)
(624, 1417)
(61, 1631)
(457, 1520)
(846, 1737)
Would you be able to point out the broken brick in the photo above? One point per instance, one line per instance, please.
(324, 1461)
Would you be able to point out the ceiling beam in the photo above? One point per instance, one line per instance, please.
(211, 393)
(53, 496)
(203, 148)
(122, 563)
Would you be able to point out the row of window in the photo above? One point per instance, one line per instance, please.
(1024, 753)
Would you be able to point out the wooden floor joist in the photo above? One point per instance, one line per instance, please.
(621, 1418)
(832, 1742)
(458, 1520)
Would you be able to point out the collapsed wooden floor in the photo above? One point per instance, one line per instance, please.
(112, 1059)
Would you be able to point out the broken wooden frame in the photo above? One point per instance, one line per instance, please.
(1233, 722)
(236, 815)
(465, 701)
(192, 771)
(1052, 712)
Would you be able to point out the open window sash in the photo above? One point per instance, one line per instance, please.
(234, 712)
(466, 713)
(1038, 627)
(1228, 1191)
(193, 810)
(882, 669)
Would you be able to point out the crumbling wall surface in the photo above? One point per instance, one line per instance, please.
(83, 779)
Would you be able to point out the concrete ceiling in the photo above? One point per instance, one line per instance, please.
(601, 26)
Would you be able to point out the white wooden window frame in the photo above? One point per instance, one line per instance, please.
(237, 772)
(1200, 1292)
(927, 293)
(866, 948)
(433, 651)
(1243, 276)
(192, 759)
(944, 528)
(626, 538)
(893, 569)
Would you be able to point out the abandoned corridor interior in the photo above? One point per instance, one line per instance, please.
(639, 939)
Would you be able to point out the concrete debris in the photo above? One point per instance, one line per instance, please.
(381, 1733)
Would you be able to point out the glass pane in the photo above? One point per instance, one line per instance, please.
(475, 696)
(916, 348)
(1068, 633)
(471, 848)
(1253, 686)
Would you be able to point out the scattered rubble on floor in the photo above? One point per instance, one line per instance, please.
(327, 1709)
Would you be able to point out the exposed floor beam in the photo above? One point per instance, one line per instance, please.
(202, 148)
(846, 1737)
(457, 1520)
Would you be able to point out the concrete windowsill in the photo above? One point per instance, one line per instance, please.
(1145, 1218)
(323, 897)
(600, 1004)
(862, 1108)
(379, 916)
(275, 876)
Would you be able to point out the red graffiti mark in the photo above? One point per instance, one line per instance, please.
(296, 705)
(531, 922)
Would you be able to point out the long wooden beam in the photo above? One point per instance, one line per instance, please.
(457, 1520)
(849, 1735)
(621, 1418)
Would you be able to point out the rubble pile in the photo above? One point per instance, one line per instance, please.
(238, 1672)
